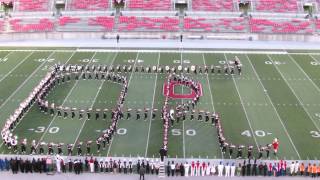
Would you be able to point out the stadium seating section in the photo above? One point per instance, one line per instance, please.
(215, 25)
(32, 25)
(133, 23)
(98, 23)
(280, 6)
(148, 16)
(32, 5)
(297, 26)
(317, 26)
(154, 5)
(212, 5)
(92, 5)
(1, 26)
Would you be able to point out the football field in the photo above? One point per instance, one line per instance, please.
(276, 96)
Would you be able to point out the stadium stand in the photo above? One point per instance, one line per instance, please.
(92, 5)
(317, 25)
(280, 26)
(97, 23)
(279, 6)
(150, 5)
(215, 24)
(213, 5)
(1, 26)
(32, 5)
(134, 23)
(31, 25)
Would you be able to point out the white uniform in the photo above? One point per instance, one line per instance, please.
(227, 169)
(208, 170)
(91, 164)
(233, 170)
(186, 169)
(291, 167)
(58, 164)
(220, 169)
(204, 170)
(213, 169)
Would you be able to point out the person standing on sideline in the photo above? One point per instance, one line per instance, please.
(296, 168)
(172, 166)
(168, 169)
(220, 169)
(58, 163)
(186, 169)
(291, 167)
(91, 164)
(142, 171)
(118, 38)
(233, 170)
(227, 169)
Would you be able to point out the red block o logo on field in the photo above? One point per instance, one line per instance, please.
(171, 86)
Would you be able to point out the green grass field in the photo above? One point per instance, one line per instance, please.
(278, 95)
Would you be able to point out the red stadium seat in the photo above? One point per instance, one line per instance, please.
(1, 26)
(317, 25)
(153, 5)
(106, 22)
(92, 5)
(66, 20)
(133, 23)
(93, 23)
(32, 25)
(280, 6)
(215, 24)
(32, 5)
(213, 5)
(297, 26)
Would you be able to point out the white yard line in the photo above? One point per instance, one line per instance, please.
(210, 91)
(314, 58)
(84, 121)
(269, 98)
(150, 121)
(94, 100)
(318, 89)
(26, 80)
(29, 77)
(133, 69)
(64, 101)
(15, 67)
(244, 109)
(183, 132)
(298, 98)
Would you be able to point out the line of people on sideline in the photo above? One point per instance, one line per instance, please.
(231, 169)
(152, 166)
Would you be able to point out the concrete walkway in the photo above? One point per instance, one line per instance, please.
(164, 44)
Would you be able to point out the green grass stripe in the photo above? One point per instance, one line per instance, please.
(294, 117)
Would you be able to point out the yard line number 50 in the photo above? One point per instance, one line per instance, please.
(174, 132)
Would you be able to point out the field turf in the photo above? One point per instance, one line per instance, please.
(278, 95)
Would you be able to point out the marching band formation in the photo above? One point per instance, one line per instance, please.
(64, 73)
